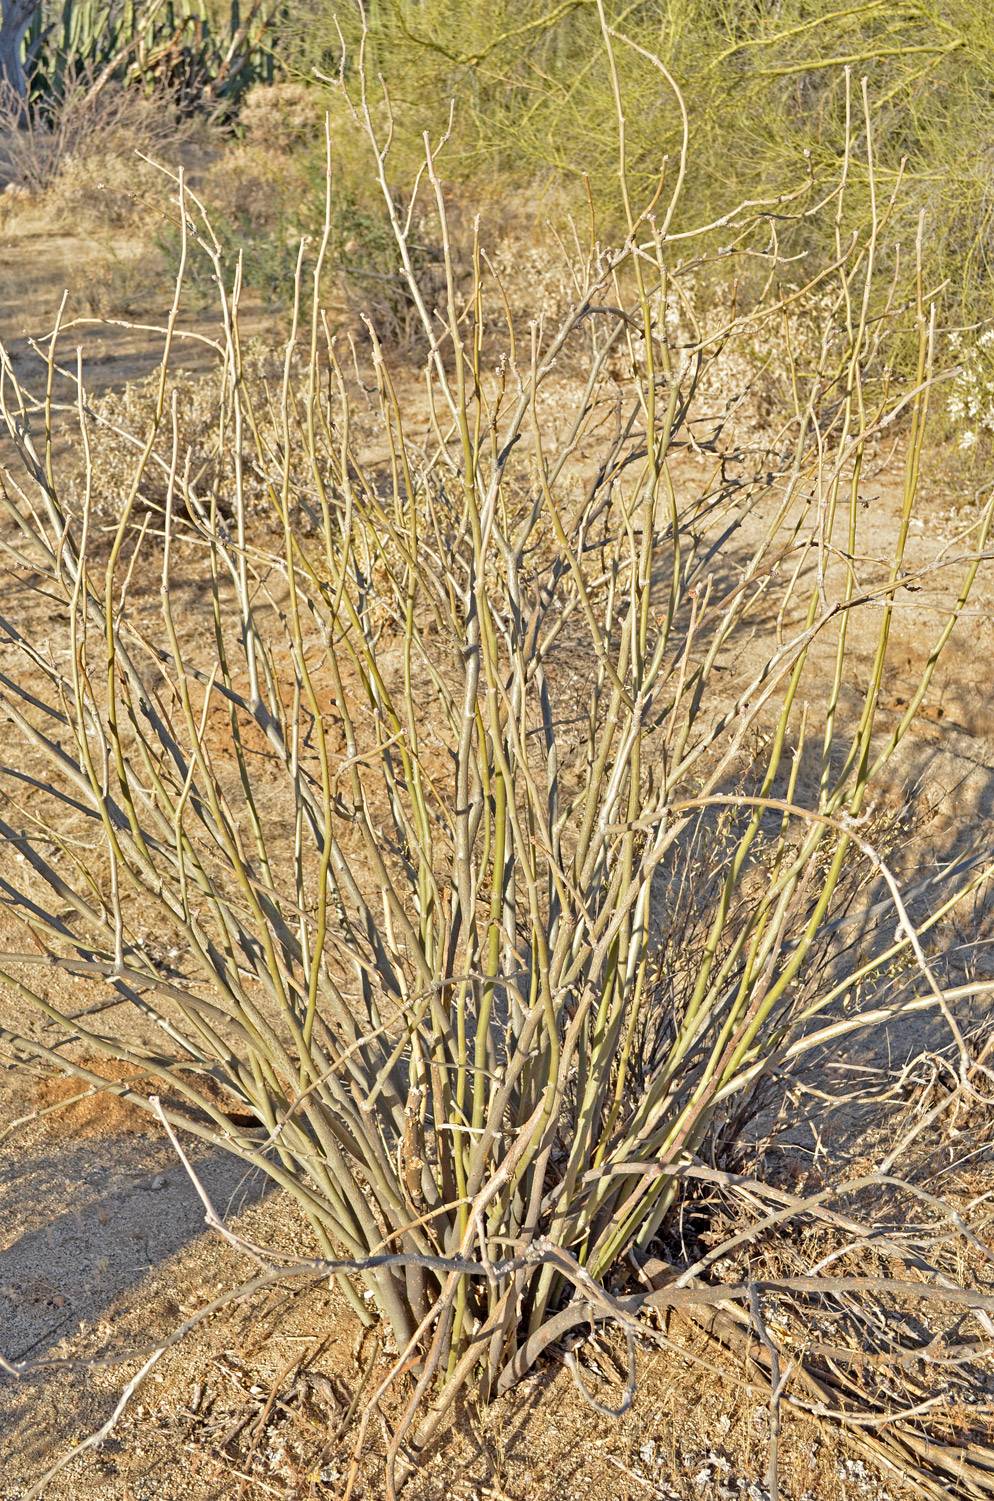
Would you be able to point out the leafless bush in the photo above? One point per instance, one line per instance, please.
(82, 148)
(466, 844)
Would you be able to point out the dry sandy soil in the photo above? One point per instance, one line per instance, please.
(102, 1237)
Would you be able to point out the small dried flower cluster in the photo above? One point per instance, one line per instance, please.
(970, 404)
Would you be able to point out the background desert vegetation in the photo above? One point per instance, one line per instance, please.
(496, 783)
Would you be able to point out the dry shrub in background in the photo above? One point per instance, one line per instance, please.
(80, 153)
(502, 843)
(281, 117)
(267, 190)
(264, 180)
(101, 478)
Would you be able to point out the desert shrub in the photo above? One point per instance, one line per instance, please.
(970, 398)
(82, 152)
(765, 86)
(102, 479)
(281, 117)
(493, 846)
(268, 190)
(260, 206)
(264, 190)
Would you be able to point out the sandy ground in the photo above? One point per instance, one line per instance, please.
(103, 1243)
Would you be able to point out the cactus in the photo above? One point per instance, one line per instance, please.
(145, 43)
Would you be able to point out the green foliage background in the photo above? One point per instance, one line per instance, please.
(764, 83)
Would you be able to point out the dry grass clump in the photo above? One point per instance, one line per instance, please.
(108, 187)
(255, 187)
(509, 831)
